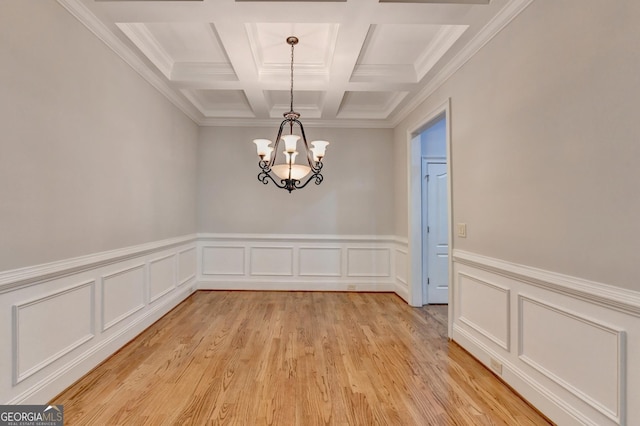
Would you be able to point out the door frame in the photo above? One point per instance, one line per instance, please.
(414, 199)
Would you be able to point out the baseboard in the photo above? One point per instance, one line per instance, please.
(544, 401)
(258, 285)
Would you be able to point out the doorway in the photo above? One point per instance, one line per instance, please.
(430, 229)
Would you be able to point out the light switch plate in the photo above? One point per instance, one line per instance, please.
(462, 230)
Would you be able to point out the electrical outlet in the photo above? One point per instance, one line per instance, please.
(496, 366)
(351, 287)
(462, 230)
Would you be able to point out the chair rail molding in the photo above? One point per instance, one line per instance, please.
(623, 300)
(14, 279)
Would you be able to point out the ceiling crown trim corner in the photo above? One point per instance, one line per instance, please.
(497, 23)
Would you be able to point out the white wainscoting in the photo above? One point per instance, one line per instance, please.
(122, 295)
(64, 318)
(270, 261)
(569, 346)
(491, 317)
(29, 317)
(187, 266)
(320, 261)
(162, 276)
(401, 261)
(299, 262)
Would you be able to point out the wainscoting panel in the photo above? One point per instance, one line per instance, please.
(368, 262)
(569, 346)
(187, 265)
(271, 261)
(223, 260)
(64, 318)
(551, 339)
(296, 262)
(41, 338)
(320, 262)
(162, 276)
(489, 318)
(122, 294)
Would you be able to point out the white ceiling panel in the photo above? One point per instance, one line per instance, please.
(394, 44)
(220, 103)
(358, 62)
(403, 52)
(369, 105)
(188, 41)
(273, 56)
(306, 102)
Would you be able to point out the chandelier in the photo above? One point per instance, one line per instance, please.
(289, 174)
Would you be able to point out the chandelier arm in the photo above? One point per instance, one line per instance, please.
(306, 145)
(264, 166)
(317, 167)
(276, 143)
(265, 176)
(317, 176)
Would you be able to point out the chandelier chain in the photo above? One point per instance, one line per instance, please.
(291, 89)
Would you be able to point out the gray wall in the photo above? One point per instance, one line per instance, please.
(92, 157)
(545, 143)
(355, 198)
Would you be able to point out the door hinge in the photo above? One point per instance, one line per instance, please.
(428, 281)
(428, 230)
(427, 178)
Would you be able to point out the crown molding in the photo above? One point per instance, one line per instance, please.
(443, 41)
(93, 24)
(140, 35)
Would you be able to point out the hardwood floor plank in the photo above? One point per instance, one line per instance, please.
(294, 358)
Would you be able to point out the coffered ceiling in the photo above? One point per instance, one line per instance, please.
(364, 63)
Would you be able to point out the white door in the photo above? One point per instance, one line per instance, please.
(437, 238)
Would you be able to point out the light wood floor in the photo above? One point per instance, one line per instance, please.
(294, 358)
